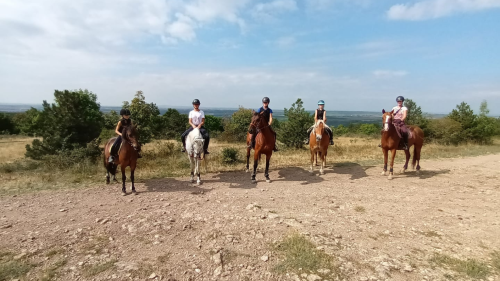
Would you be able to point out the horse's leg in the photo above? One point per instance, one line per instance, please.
(132, 171)
(417, 156)
(191, 159)
(106, 165)
(393, 156)
(405, 167)
(197, 169)
(248, 159)
(313, 153)
(386, 155)
(316, 158)
(323, 163)
(255, 164)
(266, 173)
(124, 178)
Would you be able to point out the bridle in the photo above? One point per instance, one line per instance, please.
(257, 128)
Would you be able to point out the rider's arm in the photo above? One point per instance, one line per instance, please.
(315, 116)
(202, 123)
(191, 123)
(118, 128)
(404, 115)
(270, 119)
(324, 116)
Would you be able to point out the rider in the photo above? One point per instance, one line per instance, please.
(125, 121)
(320, 114)
(400, 114)
(196, 120)
(268, 116)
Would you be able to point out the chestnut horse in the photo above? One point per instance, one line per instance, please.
(264, 143)
(319, 140)
(391, 142)
(127, 156)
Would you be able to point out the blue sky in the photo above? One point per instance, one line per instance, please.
(356, 55)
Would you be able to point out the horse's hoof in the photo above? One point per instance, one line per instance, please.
(124, 193)
(321, 173)
(268, 180)
(107, 182)
(383, 174)
(402, 171)
(247, 171)
(198, 183)
(134, 192)
(390, 177)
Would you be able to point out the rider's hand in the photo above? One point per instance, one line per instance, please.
(199, 126)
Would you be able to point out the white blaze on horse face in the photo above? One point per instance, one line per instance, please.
(386, 124)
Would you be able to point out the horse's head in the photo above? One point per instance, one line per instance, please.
(257, 120)
(387, 119)
(130, 134)
(319, 129)
(197, 143)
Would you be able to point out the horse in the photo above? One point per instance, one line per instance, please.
(264, 144)
(194, 150)
(127, 157)
(391, 142)
(319, 140)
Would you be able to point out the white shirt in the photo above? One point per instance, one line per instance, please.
(400, 111)
(196, 117)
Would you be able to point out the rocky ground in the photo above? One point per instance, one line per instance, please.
(438, 225)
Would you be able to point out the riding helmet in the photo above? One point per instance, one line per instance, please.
(125, 111)
(196, 101)
(266, 99)
(321, 102)
(400, 98)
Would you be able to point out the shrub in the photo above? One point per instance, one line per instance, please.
(111, 120)
(7, 126)
(28, 123)
(230, 155)
(70, 123)
(340, 130)
(68, 158)
(369, 129)
(236, 127)
(214, 125)
(293, 131)
(145, 115)
(446, 131)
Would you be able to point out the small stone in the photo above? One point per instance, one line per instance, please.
(264, 258)
(313, 277)
(20, 256)
(408, 268)
(324, 271)
(152, 276)
(217, 258)
(104, 221)
(197, 270)
(62, 210)
(218, 271)
(387, 232)
(5, 226)
(250, 206)
(97, 220)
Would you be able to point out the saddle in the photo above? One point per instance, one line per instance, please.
(401, 142)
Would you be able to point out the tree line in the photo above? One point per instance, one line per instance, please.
(73, 126)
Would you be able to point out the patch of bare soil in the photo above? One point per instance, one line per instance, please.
(227, 228)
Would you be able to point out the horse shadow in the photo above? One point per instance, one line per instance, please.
(424, 174)
(350, 168)
(173, 185)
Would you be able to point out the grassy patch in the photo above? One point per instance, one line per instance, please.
(93, 270)
(300, 255)
(470, 267)
(51, 272)
(360, 209)
(495, 260)
(12, 269)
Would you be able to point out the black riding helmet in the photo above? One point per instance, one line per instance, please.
(266, 99)
(125, 111)
(196, 101)
(400, 98)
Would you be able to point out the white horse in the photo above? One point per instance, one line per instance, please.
(194, 149)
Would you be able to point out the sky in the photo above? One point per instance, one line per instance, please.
(354, 54)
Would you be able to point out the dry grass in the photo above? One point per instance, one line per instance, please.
(470, 267)
(164, 159)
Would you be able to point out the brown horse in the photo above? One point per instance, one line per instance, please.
(391, 142)
(319, 140)
(264, 143)
(127, 157)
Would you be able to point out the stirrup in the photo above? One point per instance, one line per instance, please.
(183, 149)
(206, 152)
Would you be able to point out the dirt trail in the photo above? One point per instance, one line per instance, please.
(375, 228)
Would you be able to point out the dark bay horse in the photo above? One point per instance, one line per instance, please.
(319, 140)
(127, 156)
(264, 143)
(391, 142)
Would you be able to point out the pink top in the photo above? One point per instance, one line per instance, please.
(399, 112)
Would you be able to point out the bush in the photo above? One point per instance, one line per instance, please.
(340, 130)
(293, 131)
(230, 155)
(111, 120)
(173, 124)
(236, 127)
(70, 123)
(7, 126)
(369, 129)
(446, 131)
(107, 134)
(68, 158)
(28, 123)
(214, 125)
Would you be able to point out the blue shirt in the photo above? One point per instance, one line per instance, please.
(260, 108)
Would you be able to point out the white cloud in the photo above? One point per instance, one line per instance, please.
(431, 9)
(267, 11)
(389, 73)
(321, 5)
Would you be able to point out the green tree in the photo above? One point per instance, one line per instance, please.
(111, 120)
(236, 127)
(486, 127)
(173, 124)
(214, 125)
(483, 108)
(28, 122)
(415, 115)
(464, 115)
(293, 131)
(145, 115)
(71, 122)
(7, 126)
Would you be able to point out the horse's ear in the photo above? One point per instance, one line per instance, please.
(383, 111)
(392, 112)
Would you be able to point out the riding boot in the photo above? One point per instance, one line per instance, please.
(307, 141)
(183, 149)
(405, 141)
(331, 142)
(205, 146)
